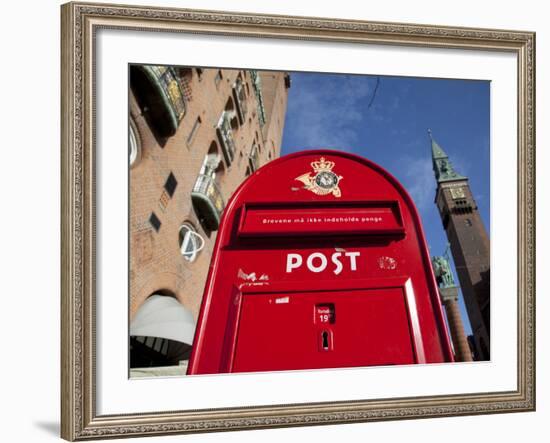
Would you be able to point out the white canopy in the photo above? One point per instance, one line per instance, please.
(164, 317)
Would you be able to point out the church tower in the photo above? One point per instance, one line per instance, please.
(469, 244)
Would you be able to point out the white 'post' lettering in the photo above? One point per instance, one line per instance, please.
(352, 259)
(293, 261)
(319, 268)
(337, 262)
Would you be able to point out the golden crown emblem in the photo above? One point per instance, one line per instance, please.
(324, 181)
(322, 165)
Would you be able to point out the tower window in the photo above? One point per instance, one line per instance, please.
(155, 222)
(468, 222)
(445, 219)
(170, 185)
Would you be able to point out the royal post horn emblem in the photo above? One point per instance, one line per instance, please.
(325, 181)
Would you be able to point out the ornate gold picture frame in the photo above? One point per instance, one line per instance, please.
(80, 24)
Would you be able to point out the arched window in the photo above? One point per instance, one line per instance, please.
(231, 114)
(134, 144)
(190, 242)
(212, 164)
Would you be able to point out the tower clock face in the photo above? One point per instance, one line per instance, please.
(457, 193)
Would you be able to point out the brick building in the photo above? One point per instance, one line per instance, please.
(469, 244)
(195, 135)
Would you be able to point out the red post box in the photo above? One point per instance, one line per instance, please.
(320, 262)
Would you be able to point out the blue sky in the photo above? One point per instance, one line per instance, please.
(390, 126)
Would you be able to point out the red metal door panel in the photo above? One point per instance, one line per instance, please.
(310, 330)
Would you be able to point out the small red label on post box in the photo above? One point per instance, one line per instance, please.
(324, 313)
(320, 262)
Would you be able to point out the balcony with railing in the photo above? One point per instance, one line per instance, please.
(254, 158)
(240, 99)
(207, 201)
(257, 84)
(225, 134)
(161, 97)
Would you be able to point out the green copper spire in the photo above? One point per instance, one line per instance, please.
(443, 168)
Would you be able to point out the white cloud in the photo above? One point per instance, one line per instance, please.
(418, 178)
(318, 105)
